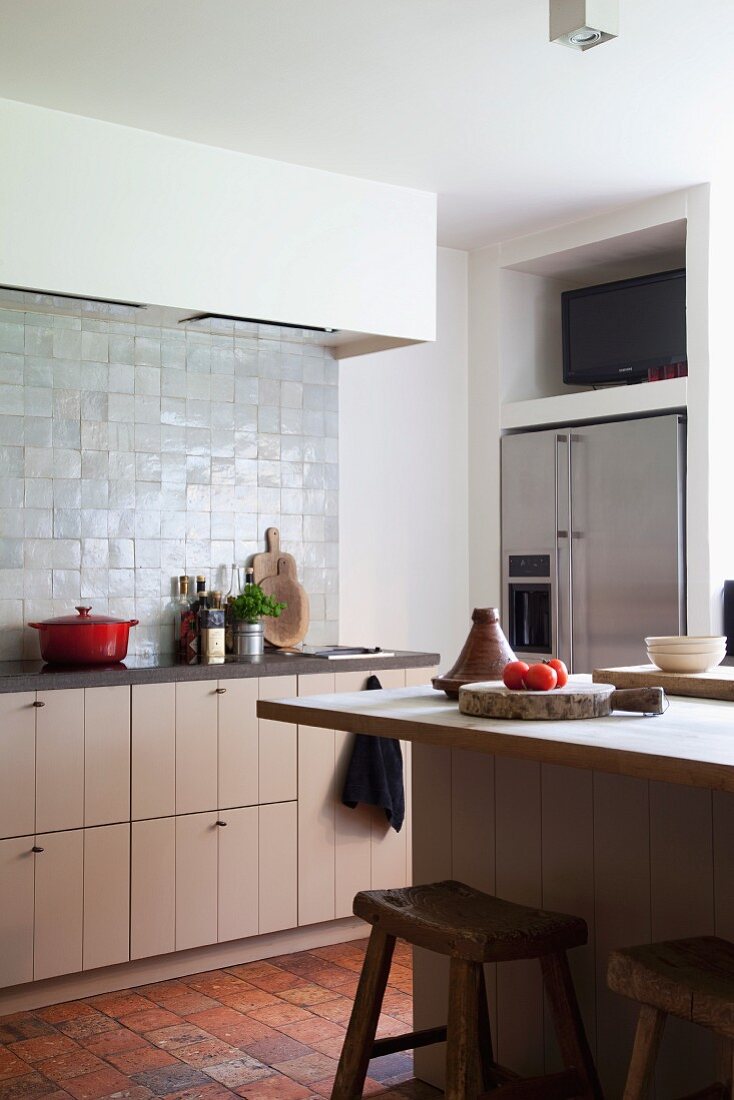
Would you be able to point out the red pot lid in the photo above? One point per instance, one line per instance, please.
(83, 618)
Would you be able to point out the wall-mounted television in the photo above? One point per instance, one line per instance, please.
(618, 332)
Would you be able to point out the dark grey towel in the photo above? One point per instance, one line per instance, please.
(375, 773)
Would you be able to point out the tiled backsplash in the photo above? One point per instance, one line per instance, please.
(131, 453)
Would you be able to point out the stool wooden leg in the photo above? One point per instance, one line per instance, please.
(464, 1064)
(360, 1036)
(649, 1032)
(568, 1023)
(486, 1053)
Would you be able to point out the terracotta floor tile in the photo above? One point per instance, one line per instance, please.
(280, 1013)
(310, 1031)
(169, 1079)
(208, 1052)
(23, 1025)
(307, 995)
(121, 1003)
(393, 1068)
(213, 985)
(418, 1090)
(54, 1014)
(247, 1000)
(31, 1086)
(189, 1002)
(11, 1065)
(91, 1086)
(241, 1034)
(239, 1072)
(386, 1025)
(160, 992)
(332, 977)
(65, 1066)
(277, 1087)
(331, 1047)
(337, 1010)
(113, 1042)
(44, 1047)
(133, 1092)
(323, 1088)
(281, 1048)
(149, 1021)
(144, 1058)
(212, 1091)
(345, 988)
(84, 1027)
(178, 1035)
(310, 1068)
(265, 976)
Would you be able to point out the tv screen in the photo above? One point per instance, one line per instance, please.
(617, 332)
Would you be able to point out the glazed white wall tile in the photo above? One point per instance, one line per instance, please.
(132, 453)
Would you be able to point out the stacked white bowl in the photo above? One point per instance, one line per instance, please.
(675, 653)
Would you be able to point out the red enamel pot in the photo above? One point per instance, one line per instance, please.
(83, 639)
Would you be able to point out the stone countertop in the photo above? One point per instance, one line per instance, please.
(37, 676)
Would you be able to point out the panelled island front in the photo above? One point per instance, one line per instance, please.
(151, 825)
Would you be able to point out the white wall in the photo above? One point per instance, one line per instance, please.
(101, 210)
(403, 455)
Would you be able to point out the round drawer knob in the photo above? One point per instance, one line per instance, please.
(221, 824)
(35, 848)
(39, 703)
(221, 691)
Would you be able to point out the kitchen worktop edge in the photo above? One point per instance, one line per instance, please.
(17, 676)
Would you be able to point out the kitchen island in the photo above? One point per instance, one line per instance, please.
(626, 821)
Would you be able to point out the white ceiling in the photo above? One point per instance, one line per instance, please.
(463, 97)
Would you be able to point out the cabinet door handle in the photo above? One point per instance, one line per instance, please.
(35, 848)
(221, 824)
(38, 703)
(221, 691)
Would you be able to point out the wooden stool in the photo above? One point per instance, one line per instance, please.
(692, 979)
(472, 929)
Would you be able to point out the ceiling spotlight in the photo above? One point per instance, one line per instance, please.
(582, 24)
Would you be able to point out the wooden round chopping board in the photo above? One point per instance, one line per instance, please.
(494, 700)
(291, 626)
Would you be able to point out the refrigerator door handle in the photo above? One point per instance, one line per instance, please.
(562, 608)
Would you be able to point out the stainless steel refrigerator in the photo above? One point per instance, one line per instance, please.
(593, 540)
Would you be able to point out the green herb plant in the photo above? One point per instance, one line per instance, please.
(252, 605)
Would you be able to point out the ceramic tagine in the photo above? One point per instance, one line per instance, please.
(486, 652)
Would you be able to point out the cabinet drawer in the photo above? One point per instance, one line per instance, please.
(18, 769)
(238, 874)
(238, 743)
(196, 880)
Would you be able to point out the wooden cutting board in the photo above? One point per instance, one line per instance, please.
(494, 700)
(716, 684)
(291, 626)
(266, 564)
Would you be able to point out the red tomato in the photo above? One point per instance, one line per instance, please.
(514, 674)
(561, 671)
(540, 678)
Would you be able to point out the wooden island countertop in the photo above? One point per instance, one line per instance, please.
(691, 744)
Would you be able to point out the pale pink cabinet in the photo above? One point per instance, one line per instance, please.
(153, 887)
(106, 933)
(237, 887)
(278, 870)
(106, 755)
(196, 746)
(17, 765)
(59, 904)
(278, 752)
(16, 910)
(59, 760)
(238, 750)
(153, 733)
(196, 880)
